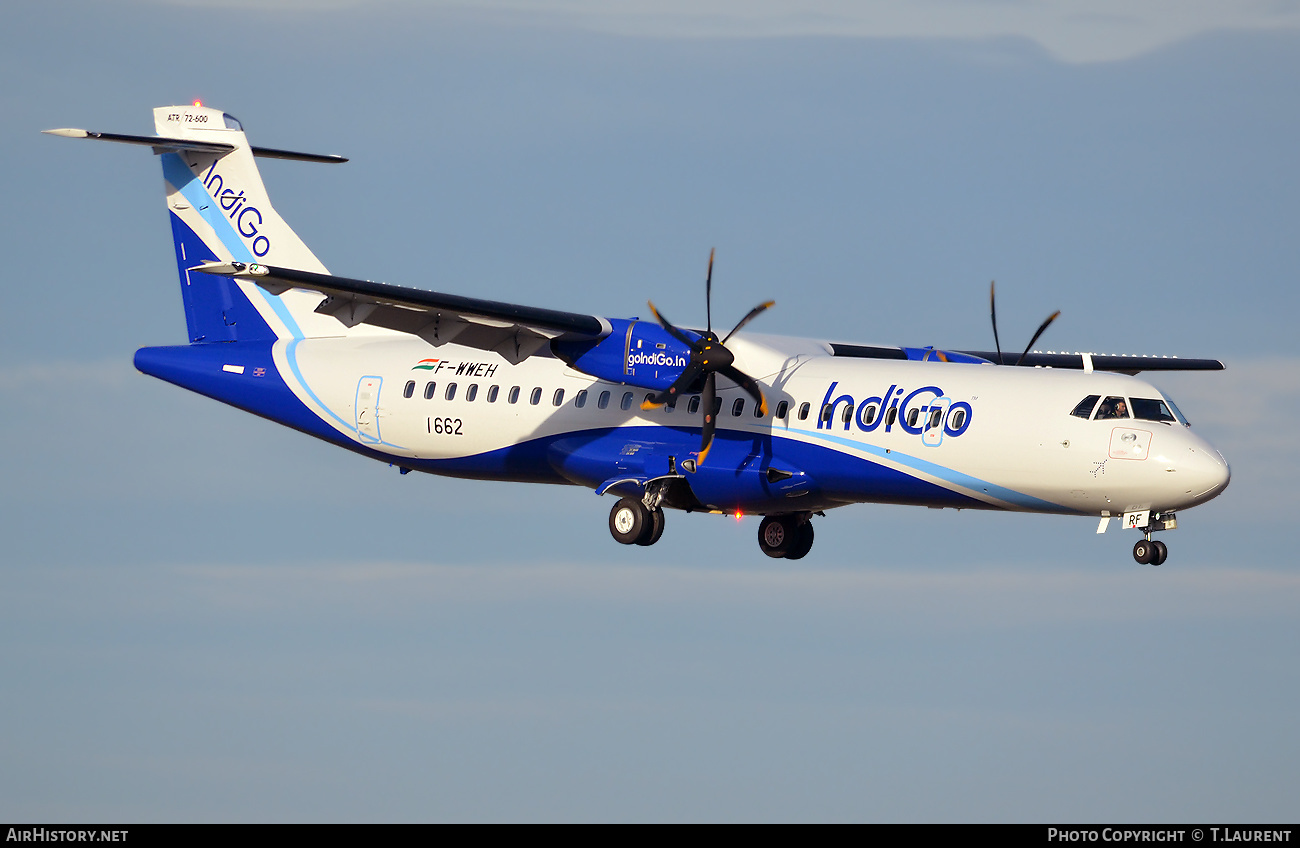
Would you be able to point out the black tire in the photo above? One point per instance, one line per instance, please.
(803, 543)
(1161, 553)
(1143, 551)
(628, 520)
(777, 534)
(654, 528)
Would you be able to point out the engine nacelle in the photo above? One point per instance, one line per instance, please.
(638, 353)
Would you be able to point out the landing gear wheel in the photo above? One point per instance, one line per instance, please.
(803, 542)
(1144, 550)
(628, 520)
(777, 534)
(653, 529)
(1161, 553)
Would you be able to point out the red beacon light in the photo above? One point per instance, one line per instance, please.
(198, 102)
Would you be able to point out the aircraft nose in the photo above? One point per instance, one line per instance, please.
(1205, 473)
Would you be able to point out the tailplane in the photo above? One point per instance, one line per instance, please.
(220, 211)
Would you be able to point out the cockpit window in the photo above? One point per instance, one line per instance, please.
(1112, 407)
(1085, 407)
(232, 123)
(1178, 413)
(1151, 410)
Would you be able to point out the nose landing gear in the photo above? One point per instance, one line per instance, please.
(1148, 552)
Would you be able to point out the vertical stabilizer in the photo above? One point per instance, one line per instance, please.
(220, 211)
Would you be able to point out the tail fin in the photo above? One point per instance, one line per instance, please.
(220, 211)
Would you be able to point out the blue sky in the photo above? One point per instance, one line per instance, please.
(206, 617)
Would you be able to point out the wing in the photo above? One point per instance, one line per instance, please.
(1122, 363)
(516, 332)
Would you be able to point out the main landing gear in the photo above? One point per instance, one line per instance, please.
(786, 536)
(639, 521)
(631, 522)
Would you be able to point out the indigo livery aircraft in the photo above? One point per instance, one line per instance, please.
(660, 416)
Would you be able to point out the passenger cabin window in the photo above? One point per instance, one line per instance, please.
(693, 405)
(647, 398)
(758, 410)
(513, 396)
(935, 417)
(782, 409)
(428, 390)
(891, 416)
(603, 402)
(804, 410)
(847, 415)
(868, 415)
(957, 420)
(717, 406)
(451, 391)
(492, 394)
(580, 399)
(626, 403)
(409, 390)
(671, 405)
(1112, 407)
(536, 396)
(1085, 407)
(737, 407)
(912, 415)
(1147, 409)
(558, 398)
(472, 391)
(827, 412)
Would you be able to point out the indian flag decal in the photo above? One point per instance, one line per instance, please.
(426, 365)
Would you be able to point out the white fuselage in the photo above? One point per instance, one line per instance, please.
(1017, 446)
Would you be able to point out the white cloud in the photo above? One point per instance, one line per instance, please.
(1071, 30)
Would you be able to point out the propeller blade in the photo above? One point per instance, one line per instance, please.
(672, 331)
(746, 382)
(1050, 319)
(689, 375)
(993, 313)
(708, 294)
(710, 421)
(753, 313)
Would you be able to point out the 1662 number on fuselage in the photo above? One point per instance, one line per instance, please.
(444, 426)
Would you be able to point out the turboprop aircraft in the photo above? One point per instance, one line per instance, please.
(660, 416)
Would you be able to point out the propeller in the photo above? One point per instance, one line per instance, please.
(993, 313)
(709, 357)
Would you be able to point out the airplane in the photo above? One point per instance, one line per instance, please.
(660, 416)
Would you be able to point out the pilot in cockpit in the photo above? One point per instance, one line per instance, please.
(1112, 407)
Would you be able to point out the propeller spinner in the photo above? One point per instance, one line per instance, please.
(709, 357)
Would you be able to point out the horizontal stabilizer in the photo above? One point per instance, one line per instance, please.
(161, 144)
